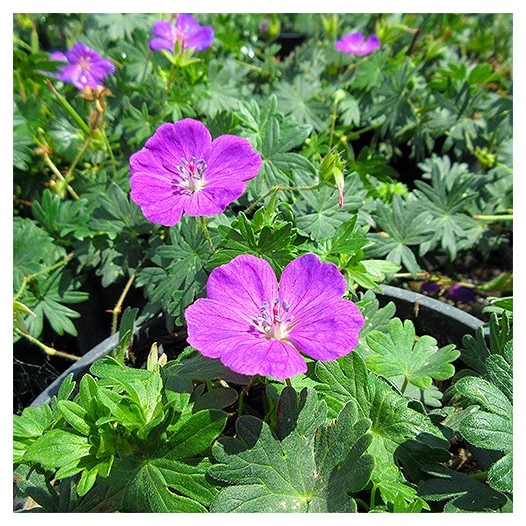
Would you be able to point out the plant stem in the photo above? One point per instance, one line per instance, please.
(404, 385)
(118, 307)
(27, 279)
(240, 402)
(495, 218)
(79, 156)
(70, 110)
(373, 495)
(48, 350)
(56, 171)
(110, 151)
(288, 382)
(202, 224)
(362, 503)
(281, 187)
(333, 124)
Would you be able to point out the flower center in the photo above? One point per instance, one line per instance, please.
(191, 173)
(274, 323)
(85, 63)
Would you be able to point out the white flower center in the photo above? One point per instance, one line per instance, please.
(191, 173)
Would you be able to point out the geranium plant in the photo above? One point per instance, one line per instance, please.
(225, 197)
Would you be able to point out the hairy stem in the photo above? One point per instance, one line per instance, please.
(48, 350)
(118, 307)
(27, 279)
(202, 224)
(56, 171)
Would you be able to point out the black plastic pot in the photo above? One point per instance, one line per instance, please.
(445, 323)
(430, 316)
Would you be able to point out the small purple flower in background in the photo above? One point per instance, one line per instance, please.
(355, 44)
(85, 67)
(255, 326)
(263, 27)
(181, 170)
(461, 294)
(186, 30)
(431, 287)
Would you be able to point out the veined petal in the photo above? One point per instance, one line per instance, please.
(213, 328)
(307, 282)
(265, 357)
(200, 39)
(231, 157)
(328, 331)
(244, 285)
(171, 142)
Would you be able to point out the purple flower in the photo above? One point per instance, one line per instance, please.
(354, 44)
(431, 287)
(255, 326)
(186, 30)
(181, 170)
(85, 68)
(461, 294)
(263, 27)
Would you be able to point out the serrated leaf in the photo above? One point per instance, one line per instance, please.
(306, 468)
(400, 434)
(418, 361)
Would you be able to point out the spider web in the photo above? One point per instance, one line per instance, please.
(29, 380)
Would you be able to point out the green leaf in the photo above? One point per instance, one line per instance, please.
(59, 449)
(180, 274)
(418, 361)
(308, 467)
(490, 427)
(75, 415)
(318, 213)
(191, 365)
(462, 492)
(400, 434)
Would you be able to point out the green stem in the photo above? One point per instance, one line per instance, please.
(333, 124)
(70, 110)
(110, 151)
(240, 402)
(202, 224)
(118, 307)
(79, 156)
(56, 171)
(504, 217)
(48, 350)
(27, 279)
(404, 385)
(280, 187)
(373, 496)
(288, 382)
(362, 503)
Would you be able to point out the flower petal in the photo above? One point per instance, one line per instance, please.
(171, 142)
(328, 330)
(213, 200)
(213, 328)
(307, 282)
(372, 44)
(200, 39)
(243, 285)
(264, 357)
(230, 157)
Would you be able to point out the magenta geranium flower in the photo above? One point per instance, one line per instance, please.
(186, 30)
(255, 326)
(181, 170)
(355, 44)
(85, 67)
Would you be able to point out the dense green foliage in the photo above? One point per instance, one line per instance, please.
(421, 131)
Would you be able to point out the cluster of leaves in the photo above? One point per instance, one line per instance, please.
(422, 131)
(154, 439)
